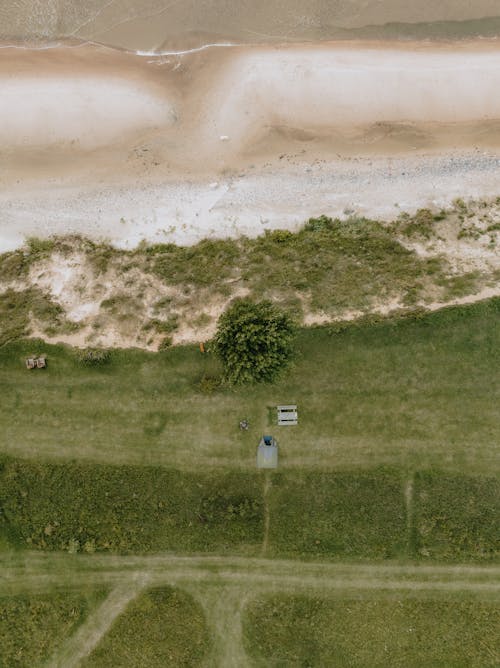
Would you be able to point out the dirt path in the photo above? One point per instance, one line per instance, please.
(267, 515)
(223, 586)
(40, 572)
(223, 607)
(409, 494)
(96, 626)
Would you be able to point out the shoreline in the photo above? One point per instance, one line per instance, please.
(234, 141)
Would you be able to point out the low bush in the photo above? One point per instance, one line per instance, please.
(93, 356)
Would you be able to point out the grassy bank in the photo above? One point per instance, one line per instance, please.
(416, 392)
(398, 631)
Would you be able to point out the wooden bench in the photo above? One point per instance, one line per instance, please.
(287, 415)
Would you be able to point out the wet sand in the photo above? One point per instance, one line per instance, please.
(237, 140)
(166, 24)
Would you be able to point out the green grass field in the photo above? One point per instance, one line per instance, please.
(397, 630)
(381, 523)
(161, 627)
(417, 392)
(32, 626)
(85, 508)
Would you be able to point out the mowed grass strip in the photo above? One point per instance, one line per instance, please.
(337, 515)
(162, 627)
(419, 392)
(32, 627)
(457, 517)
(88, 508)
(401, 632)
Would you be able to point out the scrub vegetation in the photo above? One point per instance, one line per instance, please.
(162, 293)
(357, 514)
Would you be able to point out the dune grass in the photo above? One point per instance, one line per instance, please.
(398, 631)
(328, 266)
(33, 626)
(332, 264)
(162, 627)
(17, 309)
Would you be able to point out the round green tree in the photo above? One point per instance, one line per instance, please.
(254, 341)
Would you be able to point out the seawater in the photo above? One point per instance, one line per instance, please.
(162, 25)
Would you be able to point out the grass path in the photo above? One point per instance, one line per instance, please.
(36, 572)
(223, 586)
(96, 626)
(223, 607)
(409, 496)
(267, 514)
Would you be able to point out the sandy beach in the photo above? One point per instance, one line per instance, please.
(233, 141)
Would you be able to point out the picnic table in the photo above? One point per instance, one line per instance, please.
(287, 415)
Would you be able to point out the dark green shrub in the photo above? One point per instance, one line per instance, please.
(254, 341)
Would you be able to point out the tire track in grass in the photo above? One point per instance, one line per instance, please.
(41, 572)
(267, 517)
(411, 529)
(223, 606)
(88, 636)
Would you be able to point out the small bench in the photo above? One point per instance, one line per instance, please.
(287, 415)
